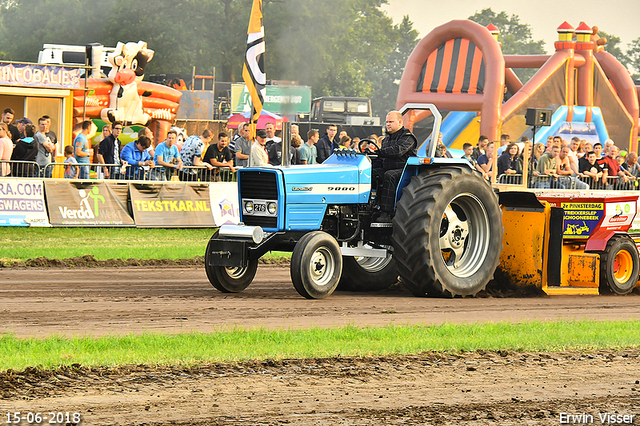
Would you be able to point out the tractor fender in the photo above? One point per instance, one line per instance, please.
(597, 242)
(415, 165)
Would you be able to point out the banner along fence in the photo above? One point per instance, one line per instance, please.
(53, 202)
(22, 203)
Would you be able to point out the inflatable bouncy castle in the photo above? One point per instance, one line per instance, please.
(123, 96)
(460, 68)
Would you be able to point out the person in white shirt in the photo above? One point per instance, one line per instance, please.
(259, 154)
(270, 128)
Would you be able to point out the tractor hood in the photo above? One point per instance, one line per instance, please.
(342, 178)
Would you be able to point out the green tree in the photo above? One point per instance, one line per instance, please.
(25, 25)
(348, 48)
(179, 40)
(613, 46)
(385, 76)
(633, 52)
(327, 44)
(338, 47)
(515, 36)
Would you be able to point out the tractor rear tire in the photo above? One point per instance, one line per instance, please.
(230, 279)
(447, 233)
(619, 266)
(316, 265)
(368, 273)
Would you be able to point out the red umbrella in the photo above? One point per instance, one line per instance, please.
(265, 116)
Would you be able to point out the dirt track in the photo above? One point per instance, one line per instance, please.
(476, 388)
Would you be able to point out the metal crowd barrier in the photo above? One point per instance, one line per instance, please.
(13, 168)
(204, 174)
(510, 179)
(84, 171)
(581, 181)
(224, 174)
(115, 172)
(619, 183)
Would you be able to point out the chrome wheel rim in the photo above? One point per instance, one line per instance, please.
(373, 264)
(464, 235)
(322, 266)
(236, 272)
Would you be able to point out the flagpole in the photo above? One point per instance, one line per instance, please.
(253, 72)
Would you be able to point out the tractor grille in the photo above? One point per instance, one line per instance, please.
(263, 186)
(264, 222)
(260, 185)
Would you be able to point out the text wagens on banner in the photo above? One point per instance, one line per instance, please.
(22, 203)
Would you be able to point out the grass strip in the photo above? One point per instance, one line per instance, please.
(257, 344)
(20, 244)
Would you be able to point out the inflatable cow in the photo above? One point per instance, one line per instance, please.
(127, 70)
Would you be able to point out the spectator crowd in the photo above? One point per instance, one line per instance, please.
(556, 164)
(29, 150)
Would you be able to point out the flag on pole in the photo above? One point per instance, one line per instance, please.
(253, 71)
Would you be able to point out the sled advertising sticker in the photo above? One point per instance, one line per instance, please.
(581, 218)
(619, 214)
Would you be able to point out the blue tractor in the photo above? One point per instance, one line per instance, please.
(445, 238)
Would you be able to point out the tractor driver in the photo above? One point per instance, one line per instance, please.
(397, 147)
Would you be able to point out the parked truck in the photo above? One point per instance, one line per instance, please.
(352, 114)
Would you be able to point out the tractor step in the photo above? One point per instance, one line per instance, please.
(381, 225)
(570, 291)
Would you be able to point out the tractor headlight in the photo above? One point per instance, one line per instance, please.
(272, 208)
(248, 206)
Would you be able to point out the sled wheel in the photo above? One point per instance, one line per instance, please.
(230, 279)
(447, 233)
(316, 265)
(619, 266)
(368, 273)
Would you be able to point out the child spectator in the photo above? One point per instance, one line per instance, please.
(70, 171)
(345, 142)
(468, 153)
(296, 143)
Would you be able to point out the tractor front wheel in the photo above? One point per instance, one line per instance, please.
(316, 265)
(229, 279)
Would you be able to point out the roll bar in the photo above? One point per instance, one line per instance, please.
(428, 147)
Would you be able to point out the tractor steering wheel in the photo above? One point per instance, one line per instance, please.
(366, 150)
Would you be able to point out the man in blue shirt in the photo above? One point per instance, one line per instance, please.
(81, 149)
(136, 156)
(308, 152)
(166, 158)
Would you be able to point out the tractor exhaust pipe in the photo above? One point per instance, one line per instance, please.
(254, 233)
(286, 144)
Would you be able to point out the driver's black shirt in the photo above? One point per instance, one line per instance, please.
(397, 148)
